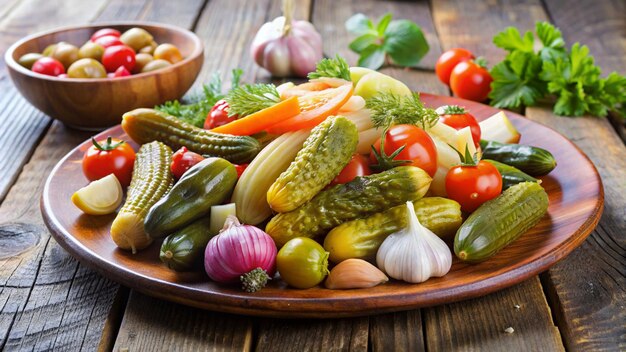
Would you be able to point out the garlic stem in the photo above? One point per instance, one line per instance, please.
(288, 14)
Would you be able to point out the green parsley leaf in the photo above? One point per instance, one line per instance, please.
(334, 68)
(511, 40)
(390, 109)
(401, 40)
(247, 99)
(516, 81)
(405, 43)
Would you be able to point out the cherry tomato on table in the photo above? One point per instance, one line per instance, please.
(48, 66)
(111, 156)
(472, 185)
(105, 32)
(117, 56)
(183, 160)
(471, 80)
(108, 40)
(357, 166)
(418, 149)
(458, 118)
(218, 115)
(448, 60)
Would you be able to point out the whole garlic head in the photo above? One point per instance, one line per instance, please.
(287, 47)
(414, 254)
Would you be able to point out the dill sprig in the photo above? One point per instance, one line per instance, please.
(334, 68)
(390, 109)
(250, 98)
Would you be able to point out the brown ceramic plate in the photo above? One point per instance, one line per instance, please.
(576, 200)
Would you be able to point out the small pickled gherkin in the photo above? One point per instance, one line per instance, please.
(361, 238)
(361, 197)
(325, 153)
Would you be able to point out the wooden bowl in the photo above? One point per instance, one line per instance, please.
(93, 104)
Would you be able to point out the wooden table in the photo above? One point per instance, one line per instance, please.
(48, 301)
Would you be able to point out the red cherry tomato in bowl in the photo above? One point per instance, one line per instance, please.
(458, 118)
(218, 115)
(183, 160)
(470, 80)
(121, 72)
(448, 60)
(48, 66)
(105, 32)
(419, 149)
(108, 40)
(117, 56)
(357, 166)
(471, 186)
(111, 156)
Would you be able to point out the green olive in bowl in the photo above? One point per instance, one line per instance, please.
(66, 54)
(91, 50)
(27, 60)
(141, 60)
(136, 38)
(155, 65)
(86, 68)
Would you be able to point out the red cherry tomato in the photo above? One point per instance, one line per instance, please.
(121, 72)
(471, 186)
(183, 160)
(419, 148)
(108, 40)
(116, 56)
(357, 166)
(104, 32)
(112, 156)
(470, 80)
(459, 118)
(240, 169)
(63, 75)
(48, 66)
(218, 115)
(448, 60)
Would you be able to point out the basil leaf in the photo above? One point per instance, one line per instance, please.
(362, 42)
(373, 57)
(359, 24)
(405, 43)
(383, 24)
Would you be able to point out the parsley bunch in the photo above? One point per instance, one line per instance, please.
(527, 75)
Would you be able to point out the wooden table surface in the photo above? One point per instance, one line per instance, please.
(48, 301)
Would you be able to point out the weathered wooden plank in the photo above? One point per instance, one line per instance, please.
(313, 335)
(400, 331)
(48, 300)
(463, 24)
(587, 289)
(483, 324)
(154, 325)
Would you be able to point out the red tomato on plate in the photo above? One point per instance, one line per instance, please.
(111, 156)
(418, 149)
(471, 186)
(458, 118)
(357, 166)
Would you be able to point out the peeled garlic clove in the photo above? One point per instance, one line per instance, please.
(354, 273)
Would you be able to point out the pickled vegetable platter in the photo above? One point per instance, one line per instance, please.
(573, 198)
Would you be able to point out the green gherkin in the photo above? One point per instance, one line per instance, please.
(324, 154)
(358, 198)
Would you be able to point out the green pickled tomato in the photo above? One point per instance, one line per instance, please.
(302, 263)
(27, 60)
(86, 68)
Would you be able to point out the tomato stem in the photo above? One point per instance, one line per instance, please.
(454, 110)
(386, 162)
(108, 146)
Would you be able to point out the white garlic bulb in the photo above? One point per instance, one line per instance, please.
(414, 254)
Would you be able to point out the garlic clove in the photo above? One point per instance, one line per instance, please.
(354, 273)
(276, 58)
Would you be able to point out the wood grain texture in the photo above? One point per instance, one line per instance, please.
(318, 335)
(475, 326)
(400, 331)
(153, 325)
(588, 289)
(68, 307)
(574, 209)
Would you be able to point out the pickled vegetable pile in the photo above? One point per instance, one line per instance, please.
(108, 53)
(345, 182)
